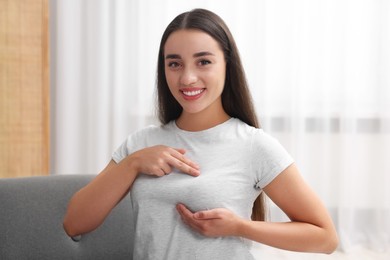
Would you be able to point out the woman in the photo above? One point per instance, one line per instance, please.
(196, 181)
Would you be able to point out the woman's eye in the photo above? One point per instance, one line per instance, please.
(173, 64)
(204, 62)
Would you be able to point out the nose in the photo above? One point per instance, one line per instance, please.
(188, 77)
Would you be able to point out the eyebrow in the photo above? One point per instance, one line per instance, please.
(196, 55)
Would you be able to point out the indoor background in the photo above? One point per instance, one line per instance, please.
(319, 73)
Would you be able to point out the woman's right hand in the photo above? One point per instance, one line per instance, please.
(159, 160)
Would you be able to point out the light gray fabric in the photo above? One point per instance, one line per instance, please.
(235, 160)
(31, 215)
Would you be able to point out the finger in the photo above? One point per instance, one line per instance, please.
(199, 225)
(184, 164)
(183, 167)
(166, 168)
(184, 159)
(183, 210)
(180, 150)
(187, 216)
(158, 172)
(207, 214)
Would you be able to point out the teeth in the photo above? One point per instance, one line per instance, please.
(193, 93)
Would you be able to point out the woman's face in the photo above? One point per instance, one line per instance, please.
(195, 70)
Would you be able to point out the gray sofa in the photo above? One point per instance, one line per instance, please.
(31, 215)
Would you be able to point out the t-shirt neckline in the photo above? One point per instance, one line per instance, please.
(213, 129)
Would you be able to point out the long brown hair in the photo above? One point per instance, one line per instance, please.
(236, 98)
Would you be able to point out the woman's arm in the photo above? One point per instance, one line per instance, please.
(310, 230)
(89, 207)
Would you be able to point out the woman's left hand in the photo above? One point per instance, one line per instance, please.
(211, 223)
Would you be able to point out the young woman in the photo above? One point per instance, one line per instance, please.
(196, 182)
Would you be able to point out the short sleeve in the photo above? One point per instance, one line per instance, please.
(134, 142)
(269, 159)
(126, 148)
(120, 153)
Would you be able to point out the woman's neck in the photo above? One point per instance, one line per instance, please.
(201, 121)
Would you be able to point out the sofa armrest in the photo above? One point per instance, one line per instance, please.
(32, 211)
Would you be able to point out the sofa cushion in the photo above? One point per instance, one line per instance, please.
(32, 211)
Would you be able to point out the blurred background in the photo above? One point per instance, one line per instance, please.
(319, 73)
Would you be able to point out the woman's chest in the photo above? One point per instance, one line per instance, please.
(228, 186)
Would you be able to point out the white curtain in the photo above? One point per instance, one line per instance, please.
(319, 73)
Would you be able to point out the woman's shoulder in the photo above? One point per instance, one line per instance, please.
(248, 130)
(258, 136)
(152, 130)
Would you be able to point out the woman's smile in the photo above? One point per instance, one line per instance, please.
(192, 93)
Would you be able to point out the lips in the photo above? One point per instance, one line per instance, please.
(192, 94)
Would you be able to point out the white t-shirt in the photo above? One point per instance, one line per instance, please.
(236, 161)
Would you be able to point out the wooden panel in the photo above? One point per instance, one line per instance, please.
(24, 88)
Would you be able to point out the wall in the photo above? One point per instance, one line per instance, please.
(24, 88)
